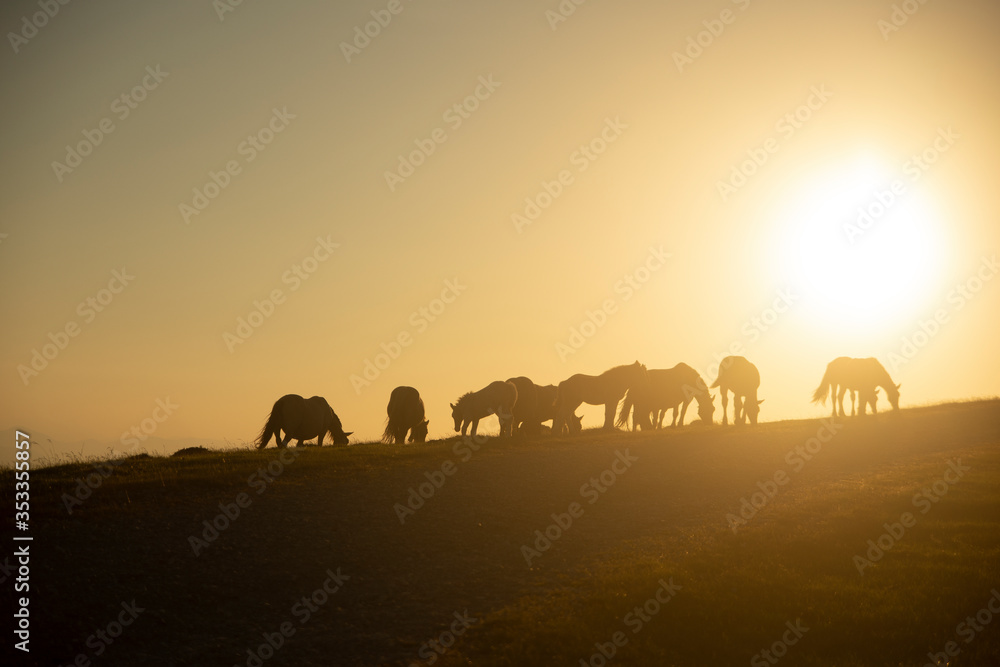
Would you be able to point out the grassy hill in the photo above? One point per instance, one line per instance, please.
(692, 546)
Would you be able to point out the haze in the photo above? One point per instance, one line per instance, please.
(484, 190)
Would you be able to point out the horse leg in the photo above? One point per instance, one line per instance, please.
(725, 404)
(283, 442)
(739, 410)
(475, 425)
(684, 408)
(840, 402)
(609, 416)
(854, 395)
(319, 441)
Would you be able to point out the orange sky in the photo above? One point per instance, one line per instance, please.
(479, 180)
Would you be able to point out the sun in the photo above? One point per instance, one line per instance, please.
(863, 245)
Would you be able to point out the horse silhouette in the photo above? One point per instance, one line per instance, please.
(861, 375)
(302, 419)
(405, 412)
(606, 389)
(868, 398)
(526, 408)
(739, 376)
(667, 389)
(497, 398)
(545, 405)
(535, 404)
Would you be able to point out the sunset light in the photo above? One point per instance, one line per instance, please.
(465, 333)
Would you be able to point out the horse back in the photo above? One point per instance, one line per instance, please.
(502, 393)
(405, 406)
(527, 395)
(545, 400)
(738, 374)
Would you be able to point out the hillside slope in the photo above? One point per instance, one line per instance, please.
(637, 512)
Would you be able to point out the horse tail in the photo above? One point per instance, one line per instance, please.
(388, 437)
(622, 421)
(819, 396)
(718, 379)
(270, 428)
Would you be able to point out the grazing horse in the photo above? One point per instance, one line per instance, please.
(497, 398)
(405, 413)
(527, 405)
(739, 376)
(863, 375)
(668, 389)
(535, 405)
(545, 405)
(606, 389)
(868, 398)
(302, 419)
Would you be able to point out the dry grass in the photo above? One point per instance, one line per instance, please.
(665, 517)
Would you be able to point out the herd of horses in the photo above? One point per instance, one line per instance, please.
(645, 395)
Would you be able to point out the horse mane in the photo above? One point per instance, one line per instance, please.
(463, 399)
(880, 371)
(621, 369)
(335, 421)
(886, 381)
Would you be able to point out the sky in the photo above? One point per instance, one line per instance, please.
(208, 205)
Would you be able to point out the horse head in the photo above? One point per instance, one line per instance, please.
(892, 391)
(457, 416)
(706, 407)
(340, 438)
(753, 409)
(419, 432)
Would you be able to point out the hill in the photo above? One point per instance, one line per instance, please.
(50, 451)
(861, 542)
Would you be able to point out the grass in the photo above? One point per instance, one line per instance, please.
(663, 518)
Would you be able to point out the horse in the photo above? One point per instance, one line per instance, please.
(868, 398)
(606, 389)
(863, 375)
(741, 377)
(497, 398)
(405, 412)
(526, 405)
(545, 404)
(536, 404)
(302, 419)
(667, 389)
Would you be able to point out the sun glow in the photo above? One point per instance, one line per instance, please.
(864, 245)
